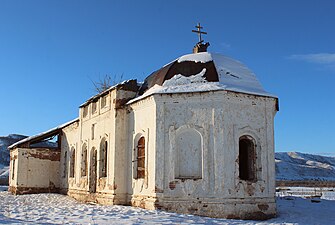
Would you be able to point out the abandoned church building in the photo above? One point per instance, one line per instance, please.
(197, 136)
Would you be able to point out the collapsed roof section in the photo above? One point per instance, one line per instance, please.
(127, 85)
(42, 140)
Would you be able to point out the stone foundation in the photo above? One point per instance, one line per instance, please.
(32, 190)
(100, 198)
(145, 202)
(247, 209)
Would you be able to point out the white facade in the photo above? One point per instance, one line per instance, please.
(34, 170)
(208, 152)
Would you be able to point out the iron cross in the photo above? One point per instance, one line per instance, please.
(199, 32)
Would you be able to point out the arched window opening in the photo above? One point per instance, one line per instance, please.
(72, 162)
(141, 158)
(84, 161)
(65, 165)
(93, 171)
(247, 158)
(103, 158)
(13, 169)
(189, 155)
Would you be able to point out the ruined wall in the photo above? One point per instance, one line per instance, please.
(69, 142)
(216, 120)
(102, 123)
(13, 167)
(37, 170)
(141, 121)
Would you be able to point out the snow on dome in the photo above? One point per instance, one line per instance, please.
(181, 84)
(179, 79)
(217, 72)
(198, 57)
(235, 76)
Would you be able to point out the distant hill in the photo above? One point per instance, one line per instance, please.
(296, 166)
(4, 154)
(290, 166)
(4, 143)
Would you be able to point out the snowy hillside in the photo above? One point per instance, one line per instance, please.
(4, 143)
(300, 166)
(4, 154)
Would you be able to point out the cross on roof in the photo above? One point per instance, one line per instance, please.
(199, 32)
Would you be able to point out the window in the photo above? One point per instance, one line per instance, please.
(247, 158)
(189, 154)
(103, 101)
(84, 161)
(93, 171)
(103, 158)
(92, 131)
(72, 162)
(65, 164)
(85, 111)
(94, 107)
(141, 158)
(13, 169)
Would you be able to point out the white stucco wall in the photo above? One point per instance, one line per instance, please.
(13, 167)
(142, 123)
(220, 118)
(37, 170)
(109, 124)
(69, 141)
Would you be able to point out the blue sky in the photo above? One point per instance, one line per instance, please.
(50, 51)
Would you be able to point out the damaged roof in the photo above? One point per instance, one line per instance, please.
(41, 136)
(229, 73)
(130, 85)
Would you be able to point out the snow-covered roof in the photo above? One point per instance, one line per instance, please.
(228, 74)
(197, 57)
(43, 134)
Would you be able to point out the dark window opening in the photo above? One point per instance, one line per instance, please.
(92, 131)
(104, 160)
(85, 112)
(103, 101)
(84, 161)
(141, 158)
(247, 158)
(72, 162)
(94, 107)
(65, 164)
(13, 169)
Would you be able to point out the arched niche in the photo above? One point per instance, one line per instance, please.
(189, 154)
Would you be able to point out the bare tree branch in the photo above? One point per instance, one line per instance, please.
(106, 82)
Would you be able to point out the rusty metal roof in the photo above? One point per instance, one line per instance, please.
(186, 68)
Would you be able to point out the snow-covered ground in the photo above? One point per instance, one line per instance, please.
(61, 209)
